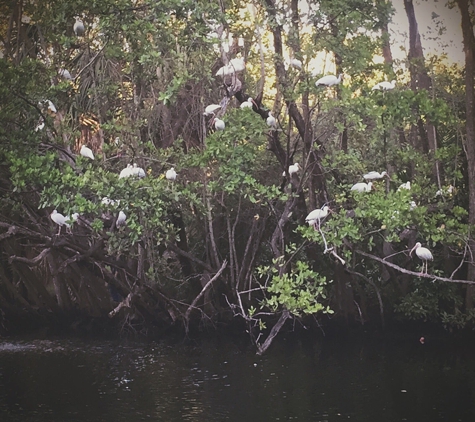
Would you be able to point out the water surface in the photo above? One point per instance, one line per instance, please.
(215, 380)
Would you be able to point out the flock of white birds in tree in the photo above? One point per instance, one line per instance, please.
(314, 218)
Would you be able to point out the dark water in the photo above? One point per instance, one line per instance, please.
(215, 380)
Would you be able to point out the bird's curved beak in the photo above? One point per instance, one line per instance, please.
(412, 250)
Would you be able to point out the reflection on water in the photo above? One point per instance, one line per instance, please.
(64, 380)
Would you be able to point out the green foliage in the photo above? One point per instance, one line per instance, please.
(144, 73)
(300, 291)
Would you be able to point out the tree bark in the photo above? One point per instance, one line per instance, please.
(469, 48)
(420, 80)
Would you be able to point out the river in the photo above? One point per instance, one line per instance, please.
(219, 379)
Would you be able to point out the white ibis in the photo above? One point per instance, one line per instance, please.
(296, 63)
(293, 168)
(219, 124)
(329, 80)
(40, 125)
(234, 66)
(316, 216)
(59, 219)
(406, 185)
(444, 190)
(86, 152)
(127, 172)
(72, 218)
(374, 175)
(362, 187)
(384, 86)
(51, 109)
(248, 104)
(423, 254)
(64, 73)
(271, 121)
(121, 219)
(171, 174)
(107, 201)
(78, 27)
(211, 109)
(138, 171)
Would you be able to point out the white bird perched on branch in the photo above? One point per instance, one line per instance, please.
(249, 103)
(40, 125)
(138, 171)
(373, 175)
(107, 201)
(296, 63)
(171, 174)
(219, 124)
(316, 216)
(271, 121)
(329, 80)
(362, 187)
(78, 27)
(72, 218)
(127, 172)
(86, 152)
(423, 254)
(449, 190)
(235, 65)
(293, 168)
(384, 86)
(64, 73)
(211, 109)
(121, 219)
(51, 107)
(406, 185)
(59, 219)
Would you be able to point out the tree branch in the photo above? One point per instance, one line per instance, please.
(403, 270)
(31, 262)
(206, 287)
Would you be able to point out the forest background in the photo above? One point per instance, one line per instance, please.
(227, 241)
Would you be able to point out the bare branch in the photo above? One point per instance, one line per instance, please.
(403, 270)
(206, 287)
(31, 262)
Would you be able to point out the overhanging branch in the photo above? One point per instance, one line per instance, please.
(403, 270)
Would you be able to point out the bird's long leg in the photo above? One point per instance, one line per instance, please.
(324, 240)
(59, 230)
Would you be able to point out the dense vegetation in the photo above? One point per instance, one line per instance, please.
(227, 240)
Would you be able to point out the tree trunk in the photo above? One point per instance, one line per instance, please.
(420, 80)
(469, 48)
(388, 57)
